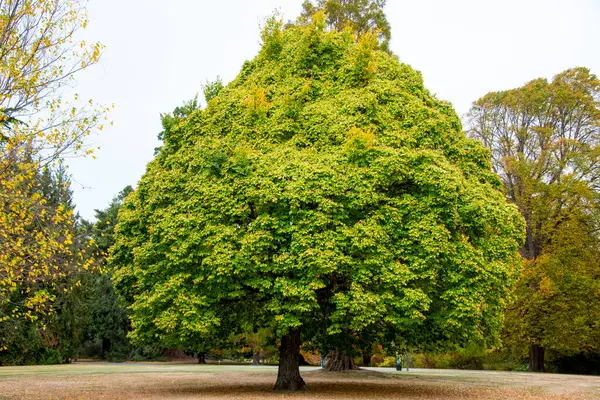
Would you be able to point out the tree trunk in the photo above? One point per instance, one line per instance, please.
(338, 361)
(536, 358)
(256, 358)
(366, 356)
(530, 253)
(106, 344)
(202, 357)
(288, 376)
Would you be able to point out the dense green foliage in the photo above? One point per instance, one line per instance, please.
(324, 188)
(107, 320)
(544, 138)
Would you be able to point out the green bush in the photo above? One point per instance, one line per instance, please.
(469, 358)
(145, 353)
(503, 360)
(383, 361)
(52, 357)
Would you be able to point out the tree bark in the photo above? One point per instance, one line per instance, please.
(366, 356)
(288, 375)
(202, 357)
(256, 358)
(536, 358)
(106, 344)
(339, 361)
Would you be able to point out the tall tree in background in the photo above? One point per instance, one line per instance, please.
(108, 320)
(361, 16)
(339, 198)
(103, 230)
(38, 57)
(544, 139)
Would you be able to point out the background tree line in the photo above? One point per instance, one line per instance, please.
(544, 140)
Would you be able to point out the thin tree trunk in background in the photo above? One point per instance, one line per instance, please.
(106, 344)
(536, 352)
(288, 375)
(366, 359)
(202, 357)
(536, 358)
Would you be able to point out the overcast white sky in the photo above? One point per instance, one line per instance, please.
(158, 53)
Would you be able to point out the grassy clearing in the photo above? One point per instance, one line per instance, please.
(188, 381)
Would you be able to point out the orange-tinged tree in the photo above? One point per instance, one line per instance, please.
(544, 139)
(557, 298)
(39, 56)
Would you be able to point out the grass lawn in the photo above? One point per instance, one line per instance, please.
(187, 381)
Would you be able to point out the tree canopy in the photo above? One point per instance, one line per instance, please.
(544, 139)
(324, 190)
(361, 16)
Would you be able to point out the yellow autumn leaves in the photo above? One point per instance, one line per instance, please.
(38, 127)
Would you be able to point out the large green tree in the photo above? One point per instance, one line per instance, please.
(326, 192)
(544, 141)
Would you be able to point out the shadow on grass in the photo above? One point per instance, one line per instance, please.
(342, 389)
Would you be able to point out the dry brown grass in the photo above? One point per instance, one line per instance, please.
(89, 381)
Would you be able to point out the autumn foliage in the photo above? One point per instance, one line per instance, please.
(38, 126)
(544, 139)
